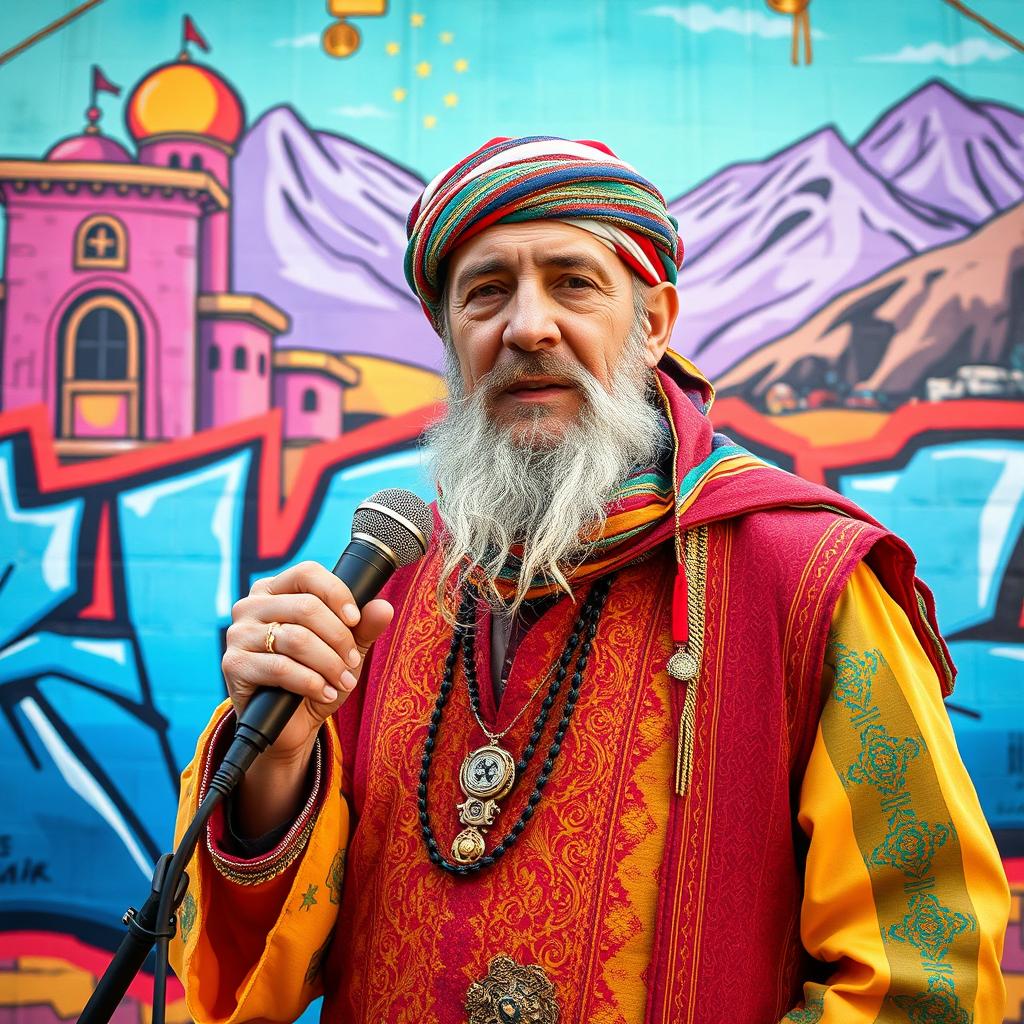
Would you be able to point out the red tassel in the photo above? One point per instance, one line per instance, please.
(680, 608)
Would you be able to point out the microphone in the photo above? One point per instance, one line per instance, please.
(390, 529)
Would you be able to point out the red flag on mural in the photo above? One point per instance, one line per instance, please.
(190, 34)
(100, 82)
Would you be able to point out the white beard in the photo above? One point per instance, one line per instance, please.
(502, 485)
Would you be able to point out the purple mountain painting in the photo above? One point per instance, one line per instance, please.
(320, 226)
(320, 231)
(948, 156)
(769, 243)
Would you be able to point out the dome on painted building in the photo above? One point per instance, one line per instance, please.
(90, 147)
(185, 98)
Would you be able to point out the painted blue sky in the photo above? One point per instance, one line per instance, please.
(678, 88)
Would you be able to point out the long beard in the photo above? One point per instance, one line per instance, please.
(502, 485)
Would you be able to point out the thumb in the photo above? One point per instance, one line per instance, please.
(375, 618)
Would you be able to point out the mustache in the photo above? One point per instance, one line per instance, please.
(533, 364)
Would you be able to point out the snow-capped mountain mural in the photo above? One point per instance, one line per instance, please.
(769, 243)
(322, 234)
(949, 156)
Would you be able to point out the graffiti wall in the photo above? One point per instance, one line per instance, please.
(208, 353)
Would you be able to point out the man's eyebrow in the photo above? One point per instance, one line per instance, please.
(574, 261)
(489, 265)
(499, 264)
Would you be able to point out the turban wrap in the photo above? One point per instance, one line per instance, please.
(511, 181)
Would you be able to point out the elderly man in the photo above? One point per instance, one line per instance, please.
(656, 732)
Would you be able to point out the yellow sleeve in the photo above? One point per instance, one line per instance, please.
(904, 889)
(250, 945)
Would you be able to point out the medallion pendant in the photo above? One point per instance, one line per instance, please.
(487, 774)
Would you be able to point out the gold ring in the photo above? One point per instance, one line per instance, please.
(268, 641)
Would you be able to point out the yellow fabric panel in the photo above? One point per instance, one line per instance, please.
(866, 602)
(837, 919)
(254, 952)
(920, 780)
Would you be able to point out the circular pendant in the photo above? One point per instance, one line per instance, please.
(683, 665)
(488, 773)
(468, 846)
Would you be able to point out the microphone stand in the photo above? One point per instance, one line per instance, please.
(364, 566)
(155, 923)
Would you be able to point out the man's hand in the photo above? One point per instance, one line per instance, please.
(320, 642)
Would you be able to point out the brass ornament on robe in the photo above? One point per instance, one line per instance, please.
(467, 846)
(684, 664)
(487, 774)
(512, 994)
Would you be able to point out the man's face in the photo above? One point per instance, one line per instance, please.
(540, 288)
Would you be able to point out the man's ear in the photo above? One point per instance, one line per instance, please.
(662, 303)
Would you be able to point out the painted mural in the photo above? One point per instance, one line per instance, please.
(208, 353)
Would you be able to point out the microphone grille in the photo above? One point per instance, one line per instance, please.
(399, 519)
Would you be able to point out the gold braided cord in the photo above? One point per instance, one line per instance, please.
(696, 553)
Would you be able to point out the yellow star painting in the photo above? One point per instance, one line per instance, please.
(426, 75)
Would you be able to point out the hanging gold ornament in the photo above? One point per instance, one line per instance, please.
(342, 39)
(798, 10)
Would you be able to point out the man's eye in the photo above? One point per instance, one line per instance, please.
(485, 291)
(577, 282)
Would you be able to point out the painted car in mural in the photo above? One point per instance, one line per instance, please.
(208, 356)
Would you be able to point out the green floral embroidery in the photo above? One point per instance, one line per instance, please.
(939, 1005)
(188, 916)
(892, 834)
(854, 672)
(910, 847)
(930, 926)
(809, 1013)
(883, 760)
(309, 898)
(335, 876)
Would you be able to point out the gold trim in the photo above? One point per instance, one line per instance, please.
(240, 306)
(71, 385)
(206, 140)
(233, 874)
(696, 546)
(922, 609)
(116, 262)
(322, 362)
(73, 172)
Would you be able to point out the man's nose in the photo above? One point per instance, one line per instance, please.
(531, 323)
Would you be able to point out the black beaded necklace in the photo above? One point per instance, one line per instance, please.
(582, 637)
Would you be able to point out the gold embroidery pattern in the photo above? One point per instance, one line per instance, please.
(825, 561)
(559, 869)
(512, 994)
(684, 931)
(399, 941)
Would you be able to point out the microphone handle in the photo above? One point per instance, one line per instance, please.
(364, 568)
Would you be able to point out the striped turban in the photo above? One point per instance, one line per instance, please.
(510, 181)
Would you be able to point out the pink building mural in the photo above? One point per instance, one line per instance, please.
(117, 310)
